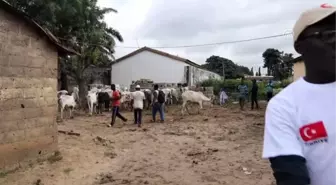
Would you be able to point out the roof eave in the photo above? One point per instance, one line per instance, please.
(297, 59)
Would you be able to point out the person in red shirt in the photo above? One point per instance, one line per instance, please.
(115, 105)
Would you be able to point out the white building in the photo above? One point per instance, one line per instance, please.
(161, 67)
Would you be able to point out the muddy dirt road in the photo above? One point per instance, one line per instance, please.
(220, 146)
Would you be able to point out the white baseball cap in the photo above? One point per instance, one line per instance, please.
(137, 86)
(311, 17)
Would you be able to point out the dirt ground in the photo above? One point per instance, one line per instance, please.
(217, 147)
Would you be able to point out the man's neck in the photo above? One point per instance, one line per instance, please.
(319, 78)
(316, 76)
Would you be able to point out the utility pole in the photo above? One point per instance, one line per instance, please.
(137, 43)
(223, 70)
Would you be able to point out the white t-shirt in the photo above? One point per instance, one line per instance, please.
(300, 120)
(138, 97)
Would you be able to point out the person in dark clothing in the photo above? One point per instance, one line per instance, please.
(300, 133)
(115, 105)
(254, 94)
(157, 106)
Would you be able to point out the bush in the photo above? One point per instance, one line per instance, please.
(286, 82)
(230, 86)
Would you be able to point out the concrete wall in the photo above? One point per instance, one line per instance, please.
(299, 70)
(28, 103)
(197, 75)
(147, 65)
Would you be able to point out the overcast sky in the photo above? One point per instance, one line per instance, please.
(159, 23)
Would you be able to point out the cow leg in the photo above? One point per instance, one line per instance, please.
(70, 110)
(89, 106)
(200, 106)
(107, 106)
(95, 108)
(62, 109)
(183, 107)
(98, 108)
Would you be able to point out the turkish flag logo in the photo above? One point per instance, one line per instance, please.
(313, 131)
(325, 5)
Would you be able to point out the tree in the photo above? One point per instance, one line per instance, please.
(272, 57)
(242, 71)
(287, 59)
(232, 70)
(78, 24)
(252, 72)
(278, 63)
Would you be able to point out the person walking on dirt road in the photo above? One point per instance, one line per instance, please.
(158, 103)
(116, 105)
(300, 123)
(138, 98)
(254, 94)
(243, 91)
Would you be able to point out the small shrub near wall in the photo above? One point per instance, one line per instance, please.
(230, 86)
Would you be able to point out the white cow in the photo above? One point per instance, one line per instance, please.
(192, 96)
(148, 97)
(175, 95)
(68, 101)
(92, 100)
(126, 99)
(184, 89)
(62, 92)
(168, 95)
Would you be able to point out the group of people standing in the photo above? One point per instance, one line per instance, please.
(244, 92)
(138, 98)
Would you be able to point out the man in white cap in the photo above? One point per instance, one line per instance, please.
(138, 98)
(300, 122)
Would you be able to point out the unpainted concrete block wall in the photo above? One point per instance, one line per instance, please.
(195, 75)
(28, 93)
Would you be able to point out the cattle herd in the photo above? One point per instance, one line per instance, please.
(98, 99)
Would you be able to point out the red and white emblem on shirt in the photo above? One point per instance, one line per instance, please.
(313, 131)
(325, 5)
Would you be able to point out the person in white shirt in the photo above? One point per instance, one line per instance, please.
(222, 97)
(300, 132)
(138, 98)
